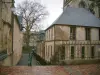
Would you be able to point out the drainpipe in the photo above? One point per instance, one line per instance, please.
(12, 23)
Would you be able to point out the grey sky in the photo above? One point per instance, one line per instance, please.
(54, 7)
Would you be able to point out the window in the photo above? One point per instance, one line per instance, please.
(3, 55)
(51, 51)
(99, 33)
(72, 52)
(48, 51)
(87, 33)
(72, 33)
(46, 35)
(92, 52)
(82, 4)
(99, 12)
(49, 34)
(63, 52)
(83, 52)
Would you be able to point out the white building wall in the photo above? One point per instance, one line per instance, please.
(48, 50)
(49, 34)
(17, 43)
(80, 33)
(62, 32)
(94, 33)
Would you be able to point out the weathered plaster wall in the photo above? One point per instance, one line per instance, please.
(94, 33)
(48, 50)
(5, 32)
(41, 49)
(62, 32)
(50, 34)
(17, 43)
(80, 33)
(62, 37)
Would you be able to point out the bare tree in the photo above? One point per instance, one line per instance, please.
(32, 14)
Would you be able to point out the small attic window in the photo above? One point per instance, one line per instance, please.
(82, 4)
(91, 8)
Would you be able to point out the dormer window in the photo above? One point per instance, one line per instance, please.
(82, 4)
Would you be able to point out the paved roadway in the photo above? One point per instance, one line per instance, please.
(24, 61)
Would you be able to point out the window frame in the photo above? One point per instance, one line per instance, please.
(72, 54)
(88, 33)
(83, 52)
(72, 33)
(63, 52)
(51, 50)
(92, 52)
(99, 33)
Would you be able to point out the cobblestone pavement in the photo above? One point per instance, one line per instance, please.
(24, 61)
(91, 69)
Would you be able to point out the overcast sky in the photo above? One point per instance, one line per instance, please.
(54, 7)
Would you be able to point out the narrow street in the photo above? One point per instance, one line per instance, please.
(24, 60)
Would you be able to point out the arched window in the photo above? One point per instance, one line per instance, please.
(82, 4)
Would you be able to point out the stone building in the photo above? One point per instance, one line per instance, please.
(33, 38)
(10, 35)
(73, 38)
(40, 50)
(87, 4)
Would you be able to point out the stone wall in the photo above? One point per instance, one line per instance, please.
(17, 42)
(6, 35)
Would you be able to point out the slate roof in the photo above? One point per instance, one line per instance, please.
(20, 22)
(78, 17)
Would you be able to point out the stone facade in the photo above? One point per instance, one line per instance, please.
(62, 44)
(74, 38)
(76, 3)
(40, 48)
(17, 42)
(9, 40)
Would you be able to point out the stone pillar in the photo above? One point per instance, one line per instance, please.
(0, 25)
